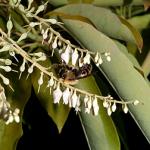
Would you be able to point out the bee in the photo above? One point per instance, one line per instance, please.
(71, 74)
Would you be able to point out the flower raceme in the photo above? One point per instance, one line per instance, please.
(70, 54)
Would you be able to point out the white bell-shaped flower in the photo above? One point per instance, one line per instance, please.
(86, 98)
(125, 108)
(66, 55)
(114, 107)
(109, 111)
(105, 104)
(96, 57)
(89, 106)
(86, 59)
(75, 56)
(77, 108)
(66, 96)
(95, 106)
(57, 94)
(136, 102)
(80, 62)
(74, 99)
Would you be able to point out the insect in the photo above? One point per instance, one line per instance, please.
(71, 74)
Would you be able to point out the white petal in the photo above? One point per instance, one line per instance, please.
(86, 59)
(95, 106)
(74, 57)
(96, 58)
(89, 104)
(66, 57)
(45, 34)
(95, 103)
(96, 110)
(66, 96)
(100, 61)
(105, 104)
(57, 94)
(86, 98)
(77, 108)
(80, 62)
(68, 49)
(87, 110)
(109, 112)
(136, 102)
(74, 99)
(17, 119)
(108, 58)
(125, 109)
(113, 107)
(54, 45)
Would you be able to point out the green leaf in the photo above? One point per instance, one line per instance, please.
(96, 2)
(97, 129)
(140, 22)
(68, 16)
(146, 64)
(80, 1)
(130, 57)
(126, 81)
(135, 32)
(105, 21)
(10, 134)
(58, 112)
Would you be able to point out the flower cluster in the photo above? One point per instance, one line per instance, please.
(5, 63)
(6, 113)
(69, 53)
(72, 98)
(77, 99)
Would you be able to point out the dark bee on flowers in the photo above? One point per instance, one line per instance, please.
(71, 74)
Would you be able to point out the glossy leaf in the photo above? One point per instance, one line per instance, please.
(96, 2)
(146, 64)
(10, 134)
(72, 17)
(140, 22)
(80, 1)
(104, 20)
(132, 58)
(126, 81)
(97, 129)
(58, 112)
(135, 32)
